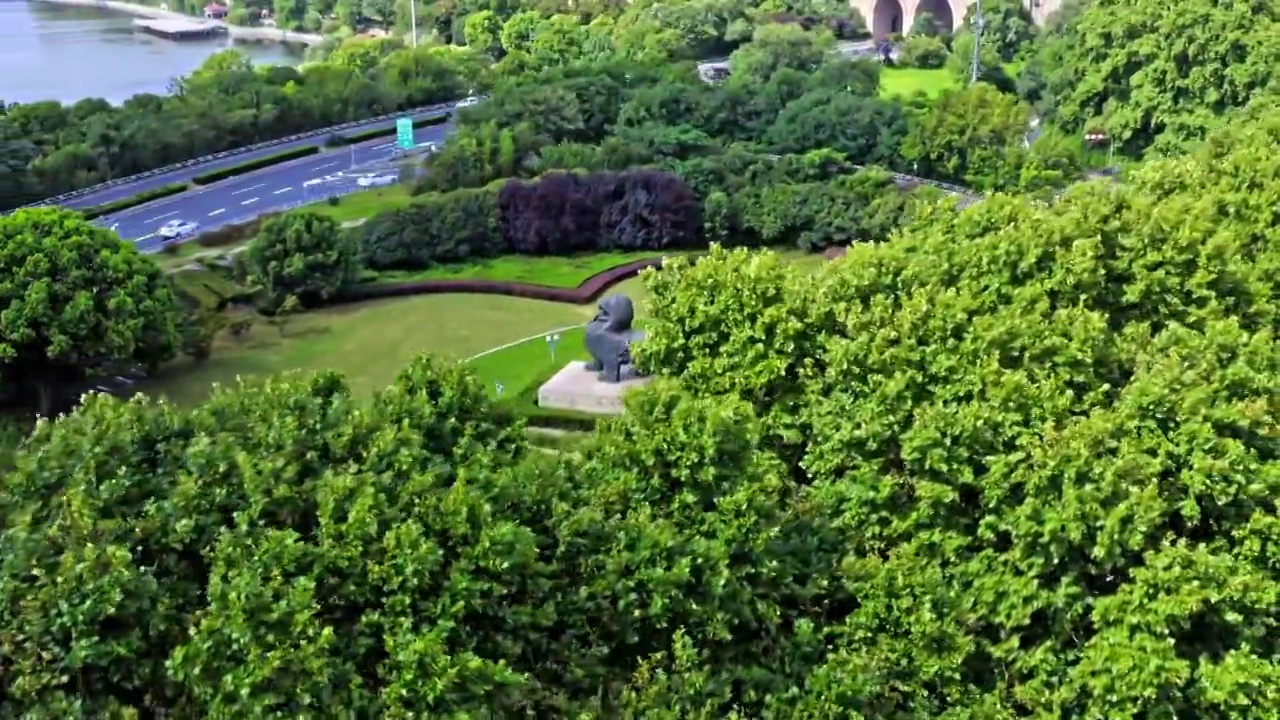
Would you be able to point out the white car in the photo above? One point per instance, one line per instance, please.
(468, 101)
(177, 229)
(377, 180)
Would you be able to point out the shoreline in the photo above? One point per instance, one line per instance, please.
(252, 34)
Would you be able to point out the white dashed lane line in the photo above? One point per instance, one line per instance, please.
(161, 217)
(215, 212)
(251, 187)
(282, 190)
(250, 200)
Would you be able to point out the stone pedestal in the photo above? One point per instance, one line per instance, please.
(576, 388)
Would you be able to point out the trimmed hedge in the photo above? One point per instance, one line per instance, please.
(256, 164)
(557, 214)
(376, 133)
(141, 198)
(589, 290)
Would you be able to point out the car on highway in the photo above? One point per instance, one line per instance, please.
(468, 101)
(177, 229)
(377, 180)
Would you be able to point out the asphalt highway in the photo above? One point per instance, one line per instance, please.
(128, 190)
(289, 184)
(242, 198)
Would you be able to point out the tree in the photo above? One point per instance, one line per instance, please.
(1043, 512)
(868, 131)
(76, 302)
(774, 47)
(302, 254)
(923, 51)
(1129, 68)
(1006, 25)
(990, 66)
(1019, 460)
(977, 137)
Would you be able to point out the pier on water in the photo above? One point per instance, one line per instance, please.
(180, 29)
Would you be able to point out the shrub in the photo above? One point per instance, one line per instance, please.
(562, 213)
(436, 228)
(923, 51)
(557, 214)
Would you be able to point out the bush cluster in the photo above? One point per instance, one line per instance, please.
(559, 213)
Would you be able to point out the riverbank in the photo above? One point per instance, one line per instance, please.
(251, 34)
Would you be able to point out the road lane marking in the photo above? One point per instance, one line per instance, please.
(161, 217)
(144, 237)
(282, 190)
(251, 187)
(321, 167)
(250, 200)
(215, 212)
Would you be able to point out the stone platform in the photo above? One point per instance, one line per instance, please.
(576, 388)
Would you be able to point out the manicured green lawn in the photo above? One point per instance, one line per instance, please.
(363, 204)
(568, 272)
(895, 82)
(519, 366)
(372, 342)
(368, 342)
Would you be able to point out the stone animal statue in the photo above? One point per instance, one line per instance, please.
(609, 337)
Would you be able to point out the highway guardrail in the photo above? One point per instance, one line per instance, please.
(238, 151)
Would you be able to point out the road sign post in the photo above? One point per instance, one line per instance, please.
(404, 133)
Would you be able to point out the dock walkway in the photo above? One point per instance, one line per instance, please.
(179, 28)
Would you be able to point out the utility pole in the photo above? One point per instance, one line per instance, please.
(413, 21)
(978, 24)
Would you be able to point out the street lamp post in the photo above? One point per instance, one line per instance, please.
(498, 387)
(413, 22)
(551, 343)
(978, 24)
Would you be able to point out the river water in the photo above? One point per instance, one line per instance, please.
(52, 52)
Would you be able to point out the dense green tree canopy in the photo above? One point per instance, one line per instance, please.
(1017, 460)
(1159, 74)
(979, 137)
(75, 302)
(303, 254)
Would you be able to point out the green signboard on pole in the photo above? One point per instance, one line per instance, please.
(404, 133)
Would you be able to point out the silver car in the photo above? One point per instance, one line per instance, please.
(178, 229)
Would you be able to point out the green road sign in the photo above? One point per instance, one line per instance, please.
(404, 133)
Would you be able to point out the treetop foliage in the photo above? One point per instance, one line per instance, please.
(1021, 459)
(75, 300)
(1160, 75)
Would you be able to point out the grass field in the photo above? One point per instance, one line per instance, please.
(518, 366)
(896, 82)
(368, 342)
(363, 204)
(371, 342)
